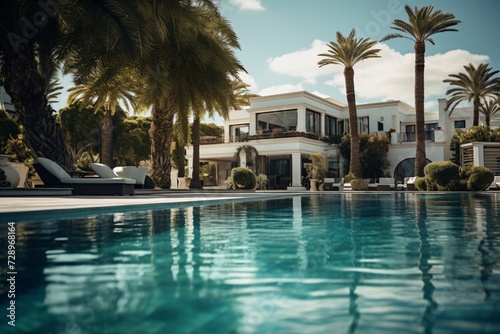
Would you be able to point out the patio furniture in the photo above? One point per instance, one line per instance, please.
(333, 184)
(495, 185)
(386, 183)
(410, 184)
(53, 176)
(132, 172)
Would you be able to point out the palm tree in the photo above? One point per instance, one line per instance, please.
(104, 91)
(422, 24)
(489, 108)
(31, 29)
(348, 51)
(239, 96)
(476, 85)
(192, 70)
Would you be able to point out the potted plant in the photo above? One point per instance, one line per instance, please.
(316, 169)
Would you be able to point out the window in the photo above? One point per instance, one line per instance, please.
(313, 122)
(460, 124)
(284, 120)
(239, 133)
(363, 126)
(330, 126)
(380, 126)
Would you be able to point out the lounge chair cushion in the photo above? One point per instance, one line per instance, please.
(54, 169)
(103, 170)
(100, 180)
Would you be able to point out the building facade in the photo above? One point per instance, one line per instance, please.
(286, 128)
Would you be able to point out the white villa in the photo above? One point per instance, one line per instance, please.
(286, 128)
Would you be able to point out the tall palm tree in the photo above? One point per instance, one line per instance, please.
(31, 28)
(105, 90)
(192, 70)
(489, 108)
(422, 24)
(239, 96)
(475, 84)
(348, 51)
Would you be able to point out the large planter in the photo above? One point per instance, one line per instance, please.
(313, 183)
(360, 184)
(9, 177)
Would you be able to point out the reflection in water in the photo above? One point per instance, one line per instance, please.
(359, 263)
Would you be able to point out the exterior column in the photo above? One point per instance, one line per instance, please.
(301, 119)
(296, 170)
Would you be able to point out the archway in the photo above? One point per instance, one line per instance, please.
(406, 168)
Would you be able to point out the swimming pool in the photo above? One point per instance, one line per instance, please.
(337, 263)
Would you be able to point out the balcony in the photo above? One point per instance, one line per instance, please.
(409, 137)
(207, 140)
(283, 134)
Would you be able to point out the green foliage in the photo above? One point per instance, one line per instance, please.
(445, 175)
(261, 180)
(211, 129)
(8, 129)
(442, 172)
(470, 135)
(208, 170)
(480, 178)
(421, 183)
(243, 178)
(316, 169)
(81, 129)
(373, 153)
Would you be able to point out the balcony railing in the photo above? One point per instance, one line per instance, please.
(408, 137)
(205, 140)
(284, 134)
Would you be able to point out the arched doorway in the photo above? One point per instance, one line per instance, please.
(406, 168)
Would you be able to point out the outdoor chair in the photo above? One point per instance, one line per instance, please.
(386, 183)
(495, 185)
(410, 183)
(132, 172)
(333, 184)
(54, 176)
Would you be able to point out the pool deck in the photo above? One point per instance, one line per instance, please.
(35, 203)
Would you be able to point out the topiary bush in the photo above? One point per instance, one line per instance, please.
(480, 178)
(243, 178)
(442, 172)
(445, 175)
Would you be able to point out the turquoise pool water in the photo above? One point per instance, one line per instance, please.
(343, 263)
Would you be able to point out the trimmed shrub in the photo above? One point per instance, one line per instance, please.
(421, 183)
(442, 172)
(261, 181)
(479, 178)
(243, 178)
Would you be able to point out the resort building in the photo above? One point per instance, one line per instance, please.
(281, 131)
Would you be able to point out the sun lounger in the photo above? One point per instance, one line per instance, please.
(495, 185)
(386, 183)
(410, 184)
(333, 184)
(53, 175)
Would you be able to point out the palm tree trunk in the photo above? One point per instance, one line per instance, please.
(161, 134)
(420, 158)
(477, 103)
(25, 87)
(107, 139)
(195, 181)
(355, 168)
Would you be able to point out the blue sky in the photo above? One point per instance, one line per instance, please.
(280, 41)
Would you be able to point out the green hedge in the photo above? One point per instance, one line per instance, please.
(243, 178)
(445, 175)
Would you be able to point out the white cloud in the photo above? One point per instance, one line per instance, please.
(301, 63)
(249, 80)
(281, 89)
(247, 4)
(379, 79)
